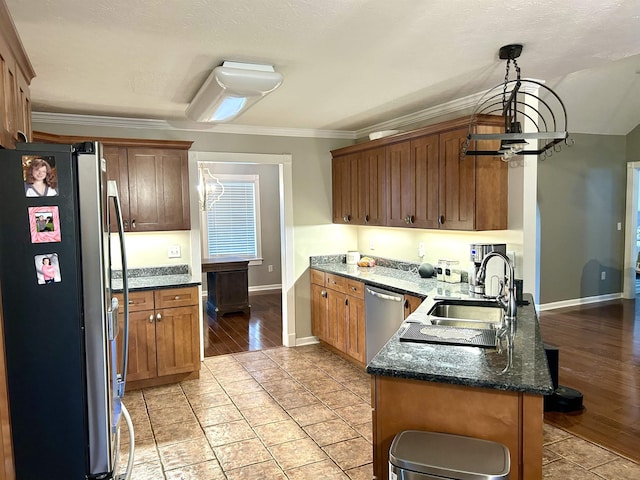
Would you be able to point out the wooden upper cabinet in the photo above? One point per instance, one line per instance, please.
(427, 183)
(16, 74)
(158, 189)
(152, 178)
(412, 183)
(371, 188)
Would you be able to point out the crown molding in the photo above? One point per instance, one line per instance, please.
(142, 123)
(462, 106)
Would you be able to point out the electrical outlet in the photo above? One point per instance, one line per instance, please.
(619, 225)
(174, 251)
(512, 256)
(603, 275)
(421, 249)
(372, 244)
(270, 268)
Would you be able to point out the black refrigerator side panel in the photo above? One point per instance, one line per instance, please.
(43, 323)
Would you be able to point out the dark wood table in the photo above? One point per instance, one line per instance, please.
(227, 285)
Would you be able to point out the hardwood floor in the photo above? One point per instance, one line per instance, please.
(599, 355)
(236, 332)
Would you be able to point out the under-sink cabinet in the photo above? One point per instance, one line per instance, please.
(337, 314)
(425, 182)
(411, 303)
(164, 345)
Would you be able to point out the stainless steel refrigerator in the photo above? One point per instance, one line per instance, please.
(61, 326)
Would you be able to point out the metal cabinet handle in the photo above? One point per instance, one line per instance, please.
(133, 223)
(126, 223)
(151, 318)
(323, 293)
(406, 304)
(347, 218)
(408, 219)
(158, 317)
(346, 301)
(366, 219)
(441, 219)
(130, 302)
(177, 297)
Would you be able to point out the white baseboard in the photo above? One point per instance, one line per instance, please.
(579, 301)
(265, 288)
(306, 341)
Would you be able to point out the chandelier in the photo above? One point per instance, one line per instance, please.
(209, 188)
(520, 100)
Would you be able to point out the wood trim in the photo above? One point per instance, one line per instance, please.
(112, 141)
(10, 34)
(164, 380)
(490, 120)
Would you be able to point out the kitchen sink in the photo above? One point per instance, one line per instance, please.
(466, 313)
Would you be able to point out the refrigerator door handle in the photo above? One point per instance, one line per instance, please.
(112, 317)
(112, 192)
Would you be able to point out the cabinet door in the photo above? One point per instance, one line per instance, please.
(23, 108)
(116, 158)
(371, 188)
(158, 189)
(177, 340)
(410, 304)
(319, 311)
(457, 183)
(355, 343)
(142, 345)
(344, 174)
(8, 96)
(400, 185)
(336, 310)
(425, 172)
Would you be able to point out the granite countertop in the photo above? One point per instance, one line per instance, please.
(152, 278)
(521, 364)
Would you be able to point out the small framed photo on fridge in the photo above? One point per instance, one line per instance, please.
(47, 268)
(40, 176)
(44, 224)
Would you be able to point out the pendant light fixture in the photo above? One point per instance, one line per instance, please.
(520, 100)
(209, 188)
(231, 89)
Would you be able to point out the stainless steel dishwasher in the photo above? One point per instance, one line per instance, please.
(384, 312)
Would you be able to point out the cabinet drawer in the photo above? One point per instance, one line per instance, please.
(138, 300)
(355, 288)
(176, 297)
(335, 282)
(317, 277)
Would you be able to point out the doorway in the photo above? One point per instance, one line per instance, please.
(283, 163)
(631, 282)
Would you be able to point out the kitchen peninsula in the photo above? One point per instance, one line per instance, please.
(493, 394)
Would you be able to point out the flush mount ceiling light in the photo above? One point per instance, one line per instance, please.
(231, 89)
(520, 102)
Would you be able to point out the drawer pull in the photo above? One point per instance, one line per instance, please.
(130, 302)
(151, 318)
(158, 317)
(177, 297)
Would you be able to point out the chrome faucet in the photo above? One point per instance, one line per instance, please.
(509, 304)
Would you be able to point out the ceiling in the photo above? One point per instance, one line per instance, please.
(348, 65)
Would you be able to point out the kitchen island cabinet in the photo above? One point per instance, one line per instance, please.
(227, 285)
(164, 336)
(484, 393)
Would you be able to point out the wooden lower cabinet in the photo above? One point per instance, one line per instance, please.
(410, 304)
(337, 314)
(514, 419)
(164, 338)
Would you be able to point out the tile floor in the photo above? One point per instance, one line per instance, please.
(291, 413)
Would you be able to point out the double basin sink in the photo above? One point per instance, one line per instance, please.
(477, 314)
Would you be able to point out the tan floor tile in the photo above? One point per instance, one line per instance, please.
(332, 431)
(287, 385)
(166, 416)
(279, 432)
(253, 400)
(180, 455)
(208, 400)
(220, 361)
(241, 454)
(581, 452)
(553, 434)
(309, 374)
(326, 470)
(297, 453)
(147, 471)
(265, 414)
(219, 414)
(355, 414)
(548, 455)
(145, 451)
(366, 430)
(200, 386)
(133, 399)
(247, 357)
(231, 432)
(200, 471)
(350, 453)
(270, 375)
(171, 389)
(141, 426)
(257, 365)
(155, 402)
(365, 472)
(363, 391)
(243, 387)
(338, 399)
(294, 399)
(258, 471)
(178, 432)
(565, 470)
(225, 377)
(321, 385)
(310, 414)
(619, 469)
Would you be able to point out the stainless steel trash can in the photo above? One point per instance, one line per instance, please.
(417, 455)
